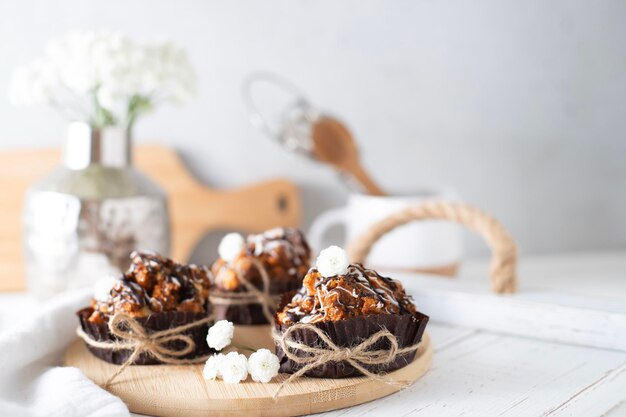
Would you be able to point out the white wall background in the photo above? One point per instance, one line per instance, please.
(520, 105)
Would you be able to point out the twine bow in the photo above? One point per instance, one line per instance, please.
(359, 356)
(252, 295)
(133, 336)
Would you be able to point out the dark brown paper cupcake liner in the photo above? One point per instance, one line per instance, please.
(240, 313)
(407, 328)
(246, 314)
(154, 322)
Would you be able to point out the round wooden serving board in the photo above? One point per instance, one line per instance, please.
(166, 390)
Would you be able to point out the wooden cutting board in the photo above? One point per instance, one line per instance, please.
(166, 390)
(195, 209)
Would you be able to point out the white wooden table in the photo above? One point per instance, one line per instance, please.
(481, 374)
(478, 373)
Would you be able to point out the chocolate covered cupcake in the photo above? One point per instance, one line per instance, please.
(349, 303)
(257, 271)
(159, 294)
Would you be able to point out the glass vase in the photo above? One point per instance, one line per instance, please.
(82, 221)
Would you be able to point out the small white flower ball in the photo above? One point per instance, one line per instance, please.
(231, 246)
(332, 261)
(212, 367)
(220, 334)
(263, 365)
(234, 368)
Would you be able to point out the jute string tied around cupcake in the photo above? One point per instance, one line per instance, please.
(252, 295)
(133, 336)
(503, 280)
(358, 356)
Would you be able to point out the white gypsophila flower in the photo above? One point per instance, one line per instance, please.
(332, 261)
(71, 57)
(32, 84)
(211, 369)
(263, 365)
(231, 246)
(104, 77)
(220, 334)
(234, 368)
(170, 73)
(102, 288)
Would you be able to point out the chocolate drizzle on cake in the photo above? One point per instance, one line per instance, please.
(154, 284)
(359, 292)
(287, 243)
(283, 252)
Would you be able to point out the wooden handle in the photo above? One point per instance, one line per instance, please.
(357, 171)
(196, 209)
(260, 206)
(333, 144)
(250, 209)
(504, 249)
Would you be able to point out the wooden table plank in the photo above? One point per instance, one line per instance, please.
(491, 375)
(592, 399)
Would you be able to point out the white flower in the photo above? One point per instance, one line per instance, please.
(332, 261)
(102, 288)
(212, 366)
(32, 84)
(231, 246)
(104, 78)
(263, 365)
(220, 334)
(234, 368)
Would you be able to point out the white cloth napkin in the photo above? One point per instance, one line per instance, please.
(31, 381)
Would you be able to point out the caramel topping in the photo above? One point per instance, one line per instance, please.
(283, 252)
(154, 283)
(360, 292)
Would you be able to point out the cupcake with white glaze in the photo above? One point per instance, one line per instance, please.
(349, 303)
(282, 253)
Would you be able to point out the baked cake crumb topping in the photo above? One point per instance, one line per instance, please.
(358, 292)
(283, 252)
(152, 284)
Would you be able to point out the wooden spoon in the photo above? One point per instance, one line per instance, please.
(334, 144)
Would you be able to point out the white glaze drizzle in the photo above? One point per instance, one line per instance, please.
(367, 280)
(276, 238)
